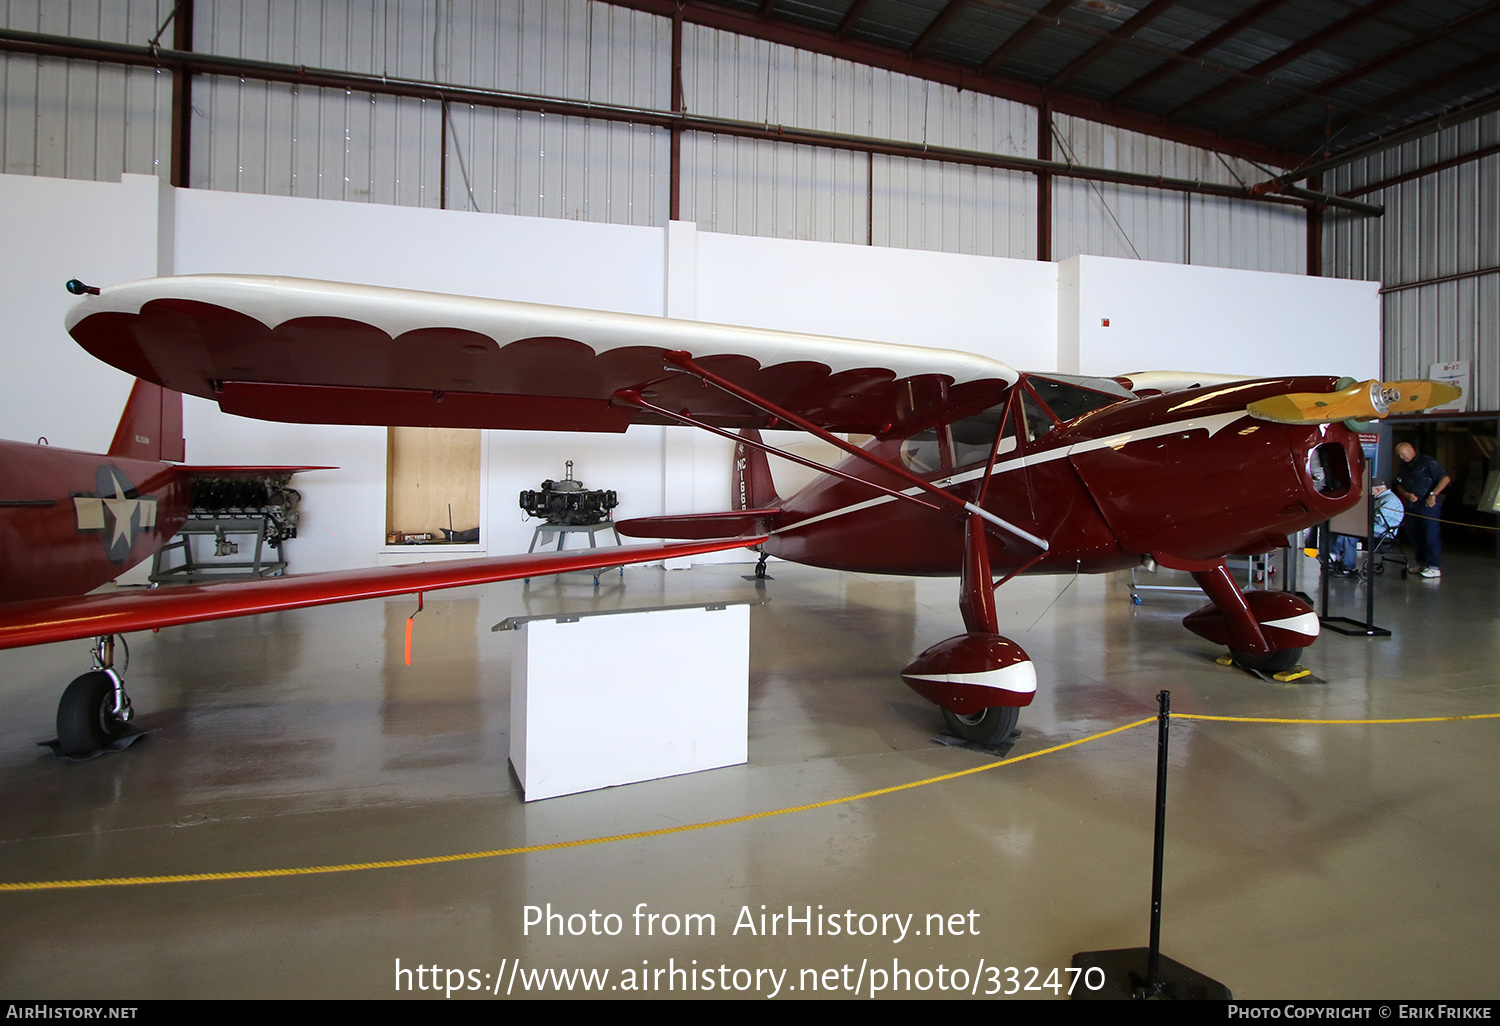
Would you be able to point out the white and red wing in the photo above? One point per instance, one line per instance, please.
(326, 352)
(1159, 381)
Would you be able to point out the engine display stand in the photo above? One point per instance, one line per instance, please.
(544, 532)
(195, 569)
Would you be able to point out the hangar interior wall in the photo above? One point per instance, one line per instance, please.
(1436, 250)
(80, 119)
(1034, 315)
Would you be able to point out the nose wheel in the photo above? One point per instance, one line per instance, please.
(1277, 662)
(986, 727)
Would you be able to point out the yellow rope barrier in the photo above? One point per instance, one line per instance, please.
(256, 874)
(1268, 719)
(259, 874)
(1455, 523)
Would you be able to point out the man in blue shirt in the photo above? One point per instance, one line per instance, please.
(1421, 481)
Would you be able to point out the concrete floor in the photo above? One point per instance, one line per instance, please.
(1303, 861)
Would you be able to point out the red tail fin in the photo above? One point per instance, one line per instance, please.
(151, 426)
(752, 487)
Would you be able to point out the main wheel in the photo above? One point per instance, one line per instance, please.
(86, 720)
(1277, 662)
(986, 727)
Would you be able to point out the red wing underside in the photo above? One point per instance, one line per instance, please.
(42, 622)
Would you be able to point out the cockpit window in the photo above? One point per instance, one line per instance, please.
(1069, 398)
(1038, 423)
(974, 437)
(922, 453)
(960, 444)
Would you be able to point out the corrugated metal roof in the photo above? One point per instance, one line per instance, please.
(1294, 80)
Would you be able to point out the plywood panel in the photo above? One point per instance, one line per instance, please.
(432, 471)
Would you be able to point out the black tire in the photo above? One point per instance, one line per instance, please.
(986, 727)
(85, 716)
(1276, 662)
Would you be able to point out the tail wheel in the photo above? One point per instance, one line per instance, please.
(1277, 662)
(86, 720)
(987, 726)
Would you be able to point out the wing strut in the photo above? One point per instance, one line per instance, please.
(633, 397)
(949, 501)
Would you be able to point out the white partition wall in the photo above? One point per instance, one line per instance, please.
(1033, 315)
(1116, 316)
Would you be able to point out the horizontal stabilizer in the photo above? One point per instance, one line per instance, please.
(89, 616)
(729, 524)
(245, 473)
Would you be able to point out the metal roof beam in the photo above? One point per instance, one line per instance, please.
(1035, 24)
(1145, 16)
(1456, 116)
(1482, 63)
(1375, 64)
(1223, 33)
(1291, 53)
(935, 27)
(851, 18)
(1162, 52)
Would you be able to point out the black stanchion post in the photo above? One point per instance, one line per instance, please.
(1325, 536)
(1145, 973)
(1158, 846)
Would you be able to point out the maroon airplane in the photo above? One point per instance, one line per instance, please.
(972, 468)
(72, 521)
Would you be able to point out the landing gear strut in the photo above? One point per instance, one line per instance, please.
(968, 676)
(1264, 631)
(95, 708)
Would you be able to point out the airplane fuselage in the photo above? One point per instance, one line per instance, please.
(1186, 478)
(71, 521)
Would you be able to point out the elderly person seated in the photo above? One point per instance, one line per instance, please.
(1389, 513)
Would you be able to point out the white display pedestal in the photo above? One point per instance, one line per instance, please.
(619, 697)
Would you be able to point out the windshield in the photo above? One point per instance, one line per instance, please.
(1069, 397)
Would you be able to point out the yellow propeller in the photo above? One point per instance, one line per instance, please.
(1420, 394)
(1363, 400)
